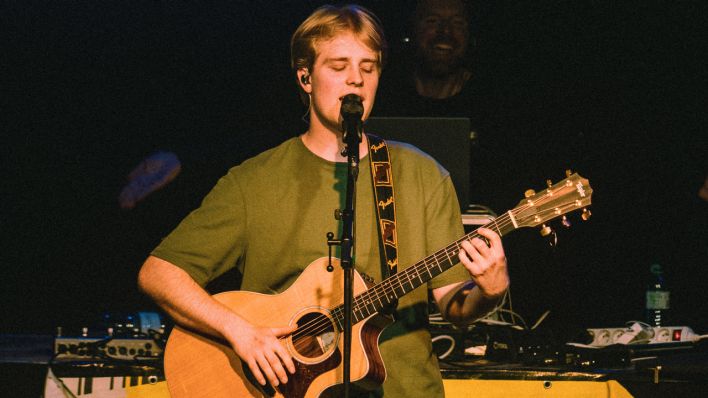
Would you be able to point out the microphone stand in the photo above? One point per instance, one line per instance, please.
(352, 138)
(351, 111)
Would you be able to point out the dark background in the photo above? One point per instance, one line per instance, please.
(89, 88)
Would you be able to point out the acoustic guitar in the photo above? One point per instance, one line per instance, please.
(200, 366)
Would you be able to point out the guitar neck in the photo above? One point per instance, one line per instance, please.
(400, 284)
(570, 194)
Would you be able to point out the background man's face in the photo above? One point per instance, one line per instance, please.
(442, 33)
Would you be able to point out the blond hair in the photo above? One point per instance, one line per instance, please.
(329, 21)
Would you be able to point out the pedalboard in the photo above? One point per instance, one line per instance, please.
(124, 349)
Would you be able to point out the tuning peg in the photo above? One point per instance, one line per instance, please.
(565, 222)
(549, 183)
(529, 193)
(546, 230)
(586, 214)
(568, 172)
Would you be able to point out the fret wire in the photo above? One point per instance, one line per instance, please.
(368, 295)
(427, 268)
(412, 278)
(388, 287)
(400, 284)
(391, 288)
(376, 290)
(447, 255)
(360, 308)
(410, 282)
(361, 313)
(457, 249)
(370, 303)
(380, 302)
(338, 318)
(497, 226)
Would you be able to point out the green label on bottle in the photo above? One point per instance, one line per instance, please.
(657, 300)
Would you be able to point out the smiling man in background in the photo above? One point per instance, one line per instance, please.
(441, 36)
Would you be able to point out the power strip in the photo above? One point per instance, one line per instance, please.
(73, 348)
(634, 334)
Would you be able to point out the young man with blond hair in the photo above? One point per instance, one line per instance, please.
(269, 216)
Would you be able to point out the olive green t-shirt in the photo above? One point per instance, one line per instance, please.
(269, 217)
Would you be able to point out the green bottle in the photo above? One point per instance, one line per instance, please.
(657, 300)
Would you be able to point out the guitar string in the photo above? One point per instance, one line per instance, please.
(362, 298)
(415, 273)
(442, 254)
(418, 270)
(323, 322)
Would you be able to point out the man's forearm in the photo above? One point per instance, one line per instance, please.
(466, 303)
(183, 299)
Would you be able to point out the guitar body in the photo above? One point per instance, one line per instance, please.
(200, 366)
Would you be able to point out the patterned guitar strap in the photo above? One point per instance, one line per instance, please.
(382, 178)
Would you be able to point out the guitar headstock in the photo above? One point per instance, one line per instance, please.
(573, 193)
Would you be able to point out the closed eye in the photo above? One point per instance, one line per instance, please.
(338, 66)
(368, 66)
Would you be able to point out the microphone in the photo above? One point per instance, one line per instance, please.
(352, 111)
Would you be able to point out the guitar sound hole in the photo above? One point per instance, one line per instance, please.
(315, 335)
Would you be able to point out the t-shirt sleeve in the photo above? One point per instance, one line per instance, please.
(444, 226)
(211, 239)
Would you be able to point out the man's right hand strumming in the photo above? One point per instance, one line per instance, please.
(190, 305)
(261, 349)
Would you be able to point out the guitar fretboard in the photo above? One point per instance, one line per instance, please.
(388, 291)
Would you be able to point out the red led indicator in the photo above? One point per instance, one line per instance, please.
(676, 335)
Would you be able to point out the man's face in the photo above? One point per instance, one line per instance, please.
(344, 65)
(441, 32)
